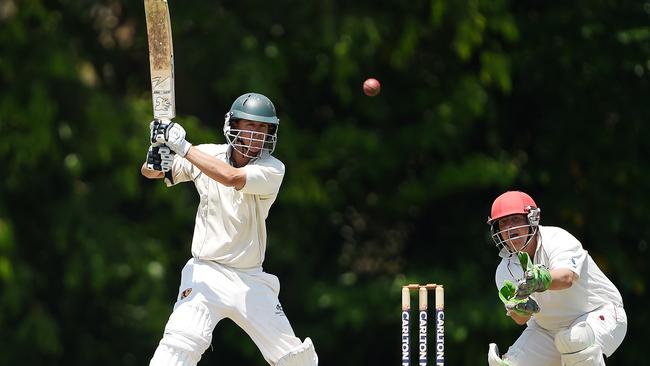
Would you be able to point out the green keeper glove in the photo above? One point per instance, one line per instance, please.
(537, 277)
(522, 307)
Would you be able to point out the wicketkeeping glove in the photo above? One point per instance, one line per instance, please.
(537, 277)
(521, 306)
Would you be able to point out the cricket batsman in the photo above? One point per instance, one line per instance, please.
(574, 314)
(237, 183)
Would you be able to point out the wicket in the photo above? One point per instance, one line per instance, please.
(423, 295)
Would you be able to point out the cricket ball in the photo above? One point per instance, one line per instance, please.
(371, 87)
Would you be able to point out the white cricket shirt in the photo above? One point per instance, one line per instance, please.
(230, 225)
(557, 248)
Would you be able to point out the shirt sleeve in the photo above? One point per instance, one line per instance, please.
(567, 253)
(505, 272)
(182, 171)
(264, 180)
(498, 278)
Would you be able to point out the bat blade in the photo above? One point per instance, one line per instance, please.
(161, 58)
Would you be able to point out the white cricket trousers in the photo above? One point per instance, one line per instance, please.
(536, 347)
(248, 297)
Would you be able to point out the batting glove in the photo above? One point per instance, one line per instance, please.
(157, 127)
(171, 134)
(160, 157)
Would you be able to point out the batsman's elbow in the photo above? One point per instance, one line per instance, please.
(236, 180)
(150, 173)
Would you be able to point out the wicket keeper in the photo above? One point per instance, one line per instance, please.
(546, 280)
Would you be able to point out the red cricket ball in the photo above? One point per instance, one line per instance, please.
(371, 87)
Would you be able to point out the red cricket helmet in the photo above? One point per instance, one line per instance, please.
(513, 203)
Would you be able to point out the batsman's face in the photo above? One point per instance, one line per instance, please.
(514, 231)
(253, 134)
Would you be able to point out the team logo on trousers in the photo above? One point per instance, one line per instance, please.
(186, 293)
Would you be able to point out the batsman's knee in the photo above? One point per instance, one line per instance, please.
(577, 346)
(188, 331)
(303, 355)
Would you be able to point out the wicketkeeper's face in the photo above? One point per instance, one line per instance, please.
(514, 230)
(253, 134)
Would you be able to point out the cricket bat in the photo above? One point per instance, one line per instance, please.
(161, 59)
(161, 65)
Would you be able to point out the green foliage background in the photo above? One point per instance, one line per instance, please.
(478, 97)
